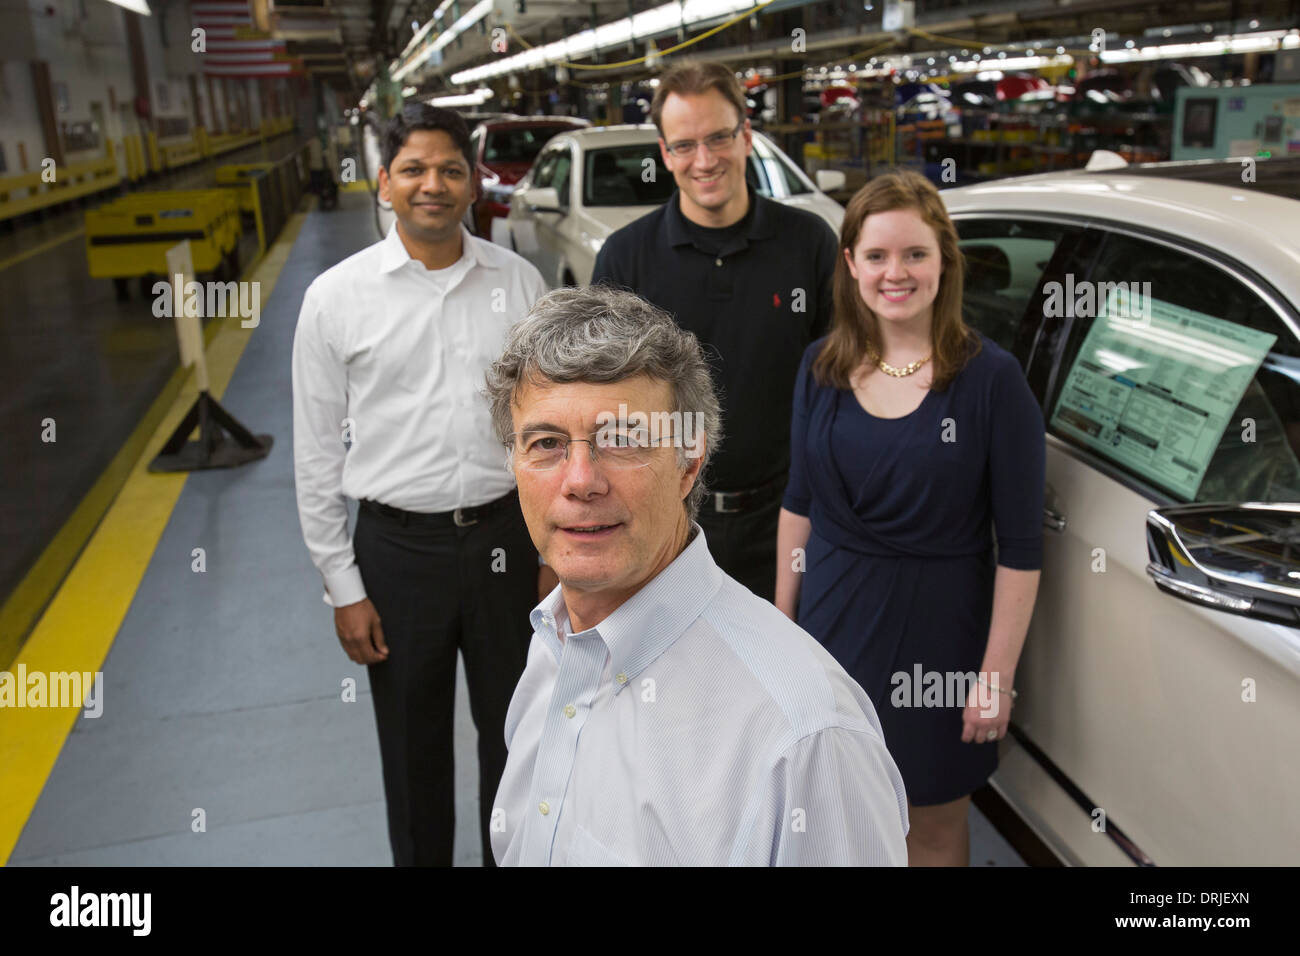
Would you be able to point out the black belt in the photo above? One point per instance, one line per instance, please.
(733, 502)
(460, 518)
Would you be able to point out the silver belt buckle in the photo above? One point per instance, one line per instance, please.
(719, 503)
(459, 521)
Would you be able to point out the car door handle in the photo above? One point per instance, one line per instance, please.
(1053, 520)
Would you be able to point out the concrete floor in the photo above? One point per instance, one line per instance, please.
(223, 689)
(70, 351)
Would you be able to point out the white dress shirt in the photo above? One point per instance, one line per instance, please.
(695, 725)
(391, 356)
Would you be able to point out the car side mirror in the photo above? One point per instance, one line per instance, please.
(1239, 558)
(830, 180)
(543, 199)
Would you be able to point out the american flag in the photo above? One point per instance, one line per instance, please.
(235, 47)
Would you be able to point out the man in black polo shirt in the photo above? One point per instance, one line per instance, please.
(752, 279)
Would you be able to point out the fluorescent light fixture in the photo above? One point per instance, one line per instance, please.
(415, 40)
(580, 44)
(668, 17)
(1014, 63)
(477, 98)
(135, 6)
(1247, 43)
(476, 13)
(613, 34)
(644, 25)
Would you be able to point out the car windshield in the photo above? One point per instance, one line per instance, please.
(626, 176)
(519, 145)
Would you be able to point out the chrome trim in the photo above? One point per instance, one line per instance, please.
(1072, 790)
(1053, 520)
(1167, 581)
(1172, 537)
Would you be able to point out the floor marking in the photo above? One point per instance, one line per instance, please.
(38, 249)
(78, 628)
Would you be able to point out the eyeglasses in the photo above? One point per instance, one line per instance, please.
(714, 144)
(619, 451)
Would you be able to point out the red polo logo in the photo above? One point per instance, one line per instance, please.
(776, 300)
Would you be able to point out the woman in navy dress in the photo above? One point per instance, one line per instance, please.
(916, 493)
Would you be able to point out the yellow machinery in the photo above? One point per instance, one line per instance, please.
(129, 237)
(239, 179)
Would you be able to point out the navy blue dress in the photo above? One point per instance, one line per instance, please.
(900, 561)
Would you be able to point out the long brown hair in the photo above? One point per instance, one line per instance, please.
(855, 329)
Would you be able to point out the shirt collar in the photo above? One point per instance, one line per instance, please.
(648, 622)
(760, 223)
(394, 255)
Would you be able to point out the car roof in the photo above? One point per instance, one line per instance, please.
(624, 134)
(1255, 228)
(571, 122)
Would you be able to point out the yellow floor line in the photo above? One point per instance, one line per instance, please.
(78, 628)
(37, 250)
(25, 603)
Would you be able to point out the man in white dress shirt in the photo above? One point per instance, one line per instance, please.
(388, 362)
(667, 715)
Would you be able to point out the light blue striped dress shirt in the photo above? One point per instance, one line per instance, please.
(695, 725)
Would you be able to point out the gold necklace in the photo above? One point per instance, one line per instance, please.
(896, 372)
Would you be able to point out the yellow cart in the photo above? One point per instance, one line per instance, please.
(129, 237)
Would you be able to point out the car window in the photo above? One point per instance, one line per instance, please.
(626, 176)
(560, 177)
(1180, 375)
(545, 174)
(516, 145)
(775, 176)
(1005, 262)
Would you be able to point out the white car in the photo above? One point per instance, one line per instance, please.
(1158, 322)
(588, 183)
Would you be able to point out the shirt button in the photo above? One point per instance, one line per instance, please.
(621, 678)
(544, 807)
(717, 262)
(569, 710)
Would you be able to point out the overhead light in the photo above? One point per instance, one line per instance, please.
(642, 26)
(1248, 43)
(1013, 63)
(477, 98)
(135, 6)
(476, 13)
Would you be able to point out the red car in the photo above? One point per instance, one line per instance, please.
(505, 150)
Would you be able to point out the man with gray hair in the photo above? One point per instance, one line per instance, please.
(666, 714)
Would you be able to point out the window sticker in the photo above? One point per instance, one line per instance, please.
(1153, 388)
